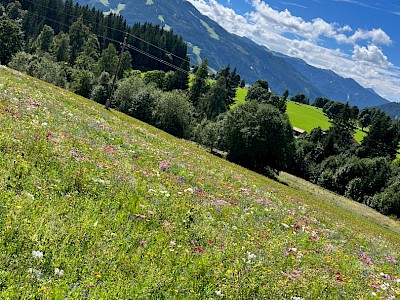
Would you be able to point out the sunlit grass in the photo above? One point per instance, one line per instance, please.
(302, 116)
(98, 205)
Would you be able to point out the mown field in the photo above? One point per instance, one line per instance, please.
(303, 116)
(97, 205)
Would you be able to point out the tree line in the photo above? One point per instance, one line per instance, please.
(80, 55)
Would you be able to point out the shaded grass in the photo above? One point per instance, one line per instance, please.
(350, 207)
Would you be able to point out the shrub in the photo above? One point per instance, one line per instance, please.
(258, 136)
(173, 113)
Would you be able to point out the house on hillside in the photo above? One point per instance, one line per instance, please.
(298, 131)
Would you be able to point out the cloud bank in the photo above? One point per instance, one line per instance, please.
(366, 63)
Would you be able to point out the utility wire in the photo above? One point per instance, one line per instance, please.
(130, 47)
(114, 29)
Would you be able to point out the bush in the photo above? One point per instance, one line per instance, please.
(354, 177)
(258, 136)
(136, 99)
(388, 202)
(173, 113)
(207, 133)
(42, 67)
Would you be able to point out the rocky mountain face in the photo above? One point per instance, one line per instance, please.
(207, 39)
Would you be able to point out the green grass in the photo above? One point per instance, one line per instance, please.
(302, 116)
(95, 204)
(306, 117)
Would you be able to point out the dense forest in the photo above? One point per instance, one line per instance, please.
(147, 77)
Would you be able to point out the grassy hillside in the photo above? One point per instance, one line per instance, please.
(303, 116)
(306, 117)
(98, 205)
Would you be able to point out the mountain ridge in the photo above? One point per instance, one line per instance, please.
(207, 39)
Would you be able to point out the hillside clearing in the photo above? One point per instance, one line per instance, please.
(302, 116)
(98, 205)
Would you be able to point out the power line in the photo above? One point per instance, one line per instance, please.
(114, 29)
(130, 47)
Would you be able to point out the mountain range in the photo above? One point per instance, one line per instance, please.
(207, 39)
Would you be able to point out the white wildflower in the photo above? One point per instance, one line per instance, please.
(58, 272)
(189, 190)
(285, 225)
(165, 193)
(219, 293)
(37, 273)
(37, 254)
(29, 195)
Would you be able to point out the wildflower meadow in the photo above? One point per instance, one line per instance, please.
(97, 205)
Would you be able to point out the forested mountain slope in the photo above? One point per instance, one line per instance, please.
(207, 39)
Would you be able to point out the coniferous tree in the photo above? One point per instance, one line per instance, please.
(213, 102)
(11, 39)
(199, 85)
(108, 60)
(44, 39)
(382, 138)
(78, 34)
(61, 48)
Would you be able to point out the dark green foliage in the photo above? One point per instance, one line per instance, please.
(42, 67)
(382, 138)
(101, 91)
(285, 94)
(79, 21)
(258, 136)
(333, 109)
(156, 77)
(200, 85)
(44, 39)
(320, 102)
(388, 201)
(173, 113)
(60, 47)
(79, 33)
(213, 102)
(91, 47)
(353, 177)
(136, 99)
(179, 79)
(365, 118)
(300, 98)
(125, 64)
(83, 81)
(207, 133)
(108, 60)
(260, 93)
(309, 153)
(14, 10)
(232, 81)
(11, 39)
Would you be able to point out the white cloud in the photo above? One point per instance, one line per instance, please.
(266, 26)
(371, 54)
(376, 36)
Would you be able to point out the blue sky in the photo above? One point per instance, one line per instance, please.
(355, 38)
